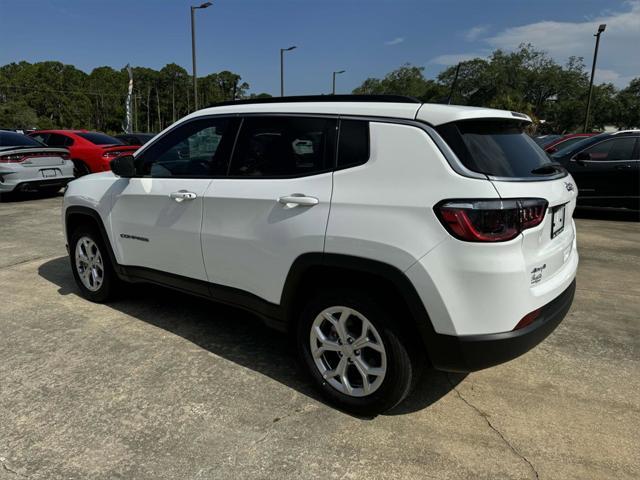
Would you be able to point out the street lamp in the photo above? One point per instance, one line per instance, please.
(593, 71)
(193, 51)
(333, 90)
(282, 50)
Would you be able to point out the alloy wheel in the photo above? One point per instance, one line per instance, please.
(348, 351)
(89, 264)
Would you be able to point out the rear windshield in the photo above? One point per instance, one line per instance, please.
(496, 147)
(13, 139)
(100, 138)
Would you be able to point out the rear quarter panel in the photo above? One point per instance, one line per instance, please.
(383, 210)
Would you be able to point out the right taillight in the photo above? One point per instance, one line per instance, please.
(490, 220)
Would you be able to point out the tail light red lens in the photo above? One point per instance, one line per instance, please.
(490, 220)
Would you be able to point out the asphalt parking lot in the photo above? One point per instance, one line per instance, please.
(163, 386)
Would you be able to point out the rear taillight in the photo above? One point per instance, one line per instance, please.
(490, 220)
(12, 158)
(21, 157)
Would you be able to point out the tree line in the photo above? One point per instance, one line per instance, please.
(526, 80)
(55, 95)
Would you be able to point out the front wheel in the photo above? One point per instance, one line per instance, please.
(91, 266)
(355, 353)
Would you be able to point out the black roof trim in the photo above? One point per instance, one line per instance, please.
(323, 98)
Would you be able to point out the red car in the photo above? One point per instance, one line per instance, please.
(91, 152)
(553, 143)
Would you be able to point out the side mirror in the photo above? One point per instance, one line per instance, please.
(123, 166)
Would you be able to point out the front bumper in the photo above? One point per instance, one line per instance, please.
(475, 352)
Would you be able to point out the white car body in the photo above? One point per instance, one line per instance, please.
(236, 236)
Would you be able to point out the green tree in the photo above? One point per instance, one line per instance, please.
(629, 105)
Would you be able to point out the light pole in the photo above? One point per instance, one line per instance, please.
(193, 51)
(282, 50)
(333, 90)
(593, 71)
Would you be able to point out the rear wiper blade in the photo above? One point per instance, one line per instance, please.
(549, 169)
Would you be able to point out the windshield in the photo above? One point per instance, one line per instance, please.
(13, 139)
(499, 148)
(100, 138)
(576, 147)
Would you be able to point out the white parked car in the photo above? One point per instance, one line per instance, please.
(386, 233)
(28, 165)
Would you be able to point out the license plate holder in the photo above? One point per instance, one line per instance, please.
(557, 220)
(49, 172)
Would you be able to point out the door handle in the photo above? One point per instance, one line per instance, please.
(622, 167)
(182, 195)
(298, 199)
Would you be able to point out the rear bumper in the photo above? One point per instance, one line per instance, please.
(34, 185)
(17, 177)
(475, 352)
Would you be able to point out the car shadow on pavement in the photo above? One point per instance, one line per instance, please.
(16, 197)
(233, 334)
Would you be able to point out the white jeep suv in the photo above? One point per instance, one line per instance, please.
(384, 233)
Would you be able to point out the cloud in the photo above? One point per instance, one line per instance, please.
(455, 58)
(476, 32)
(395, 41)
(564, 39)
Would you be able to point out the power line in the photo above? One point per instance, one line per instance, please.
(49, 90)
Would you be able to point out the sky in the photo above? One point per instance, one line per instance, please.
(367, 38)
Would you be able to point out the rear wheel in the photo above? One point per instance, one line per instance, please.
(355, 353)
(91, 266)
(80, 169)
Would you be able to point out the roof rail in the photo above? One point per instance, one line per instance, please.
(322, 98)
(633, 130)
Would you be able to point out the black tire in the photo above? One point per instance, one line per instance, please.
(404, 361)
(110, 282)
(80, 169)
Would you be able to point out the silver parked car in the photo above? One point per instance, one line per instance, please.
(28, 165)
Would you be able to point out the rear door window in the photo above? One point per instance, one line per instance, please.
(611, 150)
(282, 146)
(497, 148)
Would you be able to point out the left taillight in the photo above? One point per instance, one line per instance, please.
(490, 220)
(16, 158)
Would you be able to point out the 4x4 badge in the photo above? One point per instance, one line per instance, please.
(569, 186)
